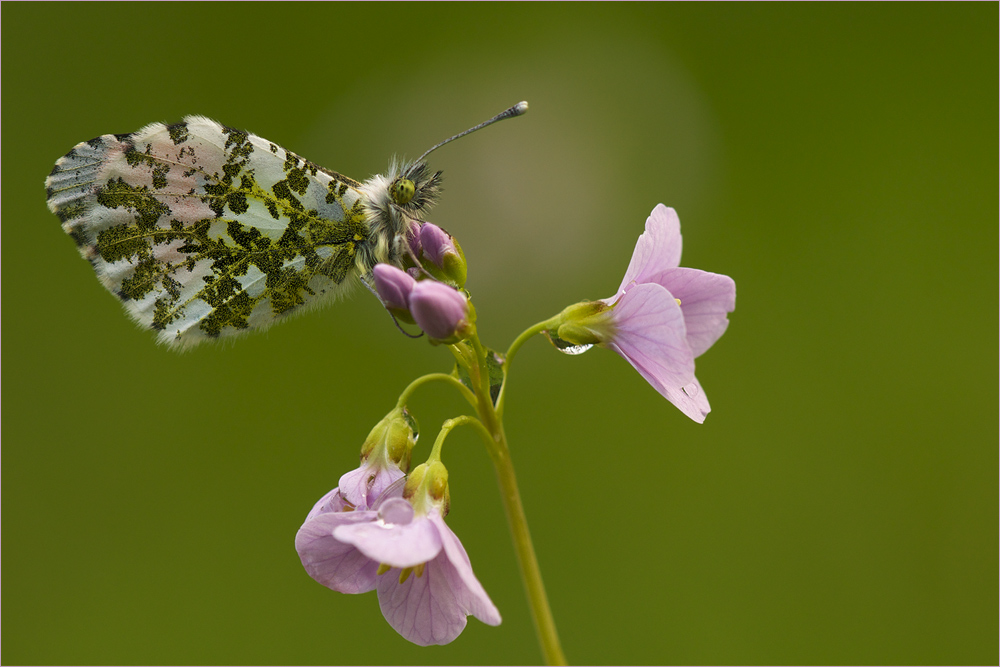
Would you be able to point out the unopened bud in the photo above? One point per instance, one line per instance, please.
(428, 485)
(440, 310)
(394, 287)
(447, 261)
(385, 458)
(392, 439)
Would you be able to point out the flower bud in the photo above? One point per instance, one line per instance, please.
(447, 261)
(440, 310)
(428, 485)
(392, 439)
(385, 458)
(413, 239)
(393, 287)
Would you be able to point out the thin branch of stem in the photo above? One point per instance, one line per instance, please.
(512, 350)
(439, 377)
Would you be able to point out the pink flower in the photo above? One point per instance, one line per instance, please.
(666, 316)
(426, 587)
(385, 457)
(428, 604)
(335, 564)
(662, 316)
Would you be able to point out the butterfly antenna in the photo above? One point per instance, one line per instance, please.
(517, 110)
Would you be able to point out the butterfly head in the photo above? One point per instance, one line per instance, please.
(396, 202)
(414, 187)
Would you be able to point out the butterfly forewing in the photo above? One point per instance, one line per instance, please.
(205, 231)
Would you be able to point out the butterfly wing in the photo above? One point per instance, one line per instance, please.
(205, 231)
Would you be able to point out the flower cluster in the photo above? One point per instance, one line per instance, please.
(383, 528)
(435, 305)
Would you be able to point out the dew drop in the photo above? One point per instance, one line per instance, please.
(574, 349)
(565, 346)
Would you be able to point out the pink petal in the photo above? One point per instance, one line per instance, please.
(435, 242)
(393, 286)
(658, 248)
(331, 502)
(690, 400)
(426, 609)
(362, 486)
(438, 308)
(432, 608)
(330, 562)
(650, 335)
(474, 598)
(396, 544)
(706, 299)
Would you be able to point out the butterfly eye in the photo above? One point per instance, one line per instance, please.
(403, 191)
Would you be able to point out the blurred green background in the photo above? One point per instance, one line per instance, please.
(838, 506)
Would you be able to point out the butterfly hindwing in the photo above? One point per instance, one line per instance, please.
(205, 231)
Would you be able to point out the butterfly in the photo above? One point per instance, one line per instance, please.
(204, 231)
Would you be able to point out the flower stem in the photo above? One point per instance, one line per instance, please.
(430, 377)
(512, 350)
(490, 427)
(446, 428)
(545, 625)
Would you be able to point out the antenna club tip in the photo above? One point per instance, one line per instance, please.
(520, 108)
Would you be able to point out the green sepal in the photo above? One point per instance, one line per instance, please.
(455, 266)
(427, 485)
(392, 439)
(577, 334)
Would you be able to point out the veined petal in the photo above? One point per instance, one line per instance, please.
(331, 502)
(473, 596)
(362, 486)
(706, 299)
(333, 563)
(432, 608)
(689, 399)
(650, 335)
(395, 544)
(658, 248)
(424, 609)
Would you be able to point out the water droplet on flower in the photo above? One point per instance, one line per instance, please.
(565, 346)
(575, 349)
(691, 390)
(395, 511)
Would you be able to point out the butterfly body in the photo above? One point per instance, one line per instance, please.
(205, 231)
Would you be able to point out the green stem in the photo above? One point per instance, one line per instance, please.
(490, 427)
(431, 377)
(446, 428)
(512, 350)
(531, 574)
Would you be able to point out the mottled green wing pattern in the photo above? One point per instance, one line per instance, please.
(204, 231)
